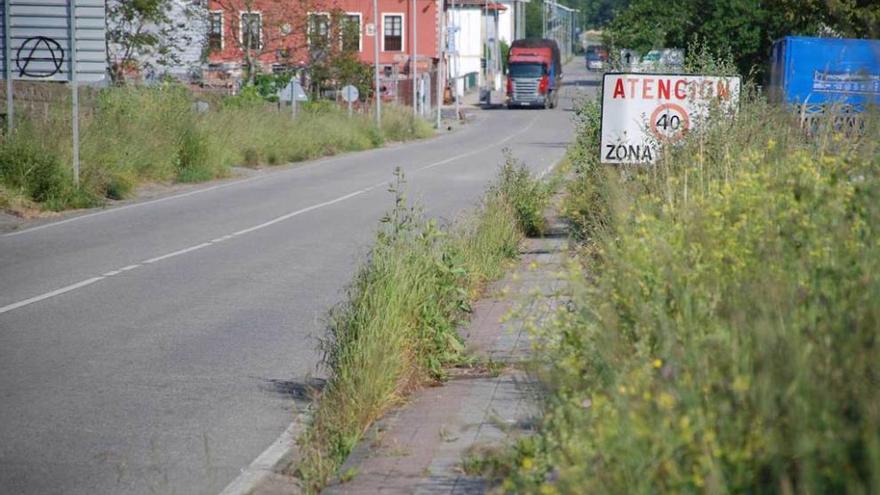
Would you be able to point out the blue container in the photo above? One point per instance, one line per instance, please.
(818, 71)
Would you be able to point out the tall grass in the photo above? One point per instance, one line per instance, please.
(724, 333)
(398, 327)
(143, 134)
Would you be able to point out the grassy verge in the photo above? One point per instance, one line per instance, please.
(723, 334)
(136, 134)
(398, 328)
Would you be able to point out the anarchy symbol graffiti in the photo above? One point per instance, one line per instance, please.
(39, 57)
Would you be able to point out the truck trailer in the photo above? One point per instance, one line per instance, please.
(813, 73)
(534, 74)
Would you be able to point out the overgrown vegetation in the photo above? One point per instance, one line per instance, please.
(723, 331)
(398, 328)
(744, 28)
(139, 134)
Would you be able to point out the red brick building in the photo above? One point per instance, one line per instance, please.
(277, 33)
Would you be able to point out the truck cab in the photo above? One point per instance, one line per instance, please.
(534, 74)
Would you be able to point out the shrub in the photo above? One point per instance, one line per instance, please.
(726, 338)
(397, 328)
(137, 134)
(527, 196)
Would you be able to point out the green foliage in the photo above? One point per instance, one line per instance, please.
(143, 32)
(527, 196)
(744, 28)
(398, 327)
(138, 134)
(30, 170)
(268, 85)
(722, 336)
(505, 55)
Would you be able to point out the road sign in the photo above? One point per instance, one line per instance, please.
(297, 89)
(643, 112)
(40, 38)
(350, 93)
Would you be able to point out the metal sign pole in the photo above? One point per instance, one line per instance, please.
(376, 27)
(440, 58)
(415, 55)
(7, 48)
(74, 89)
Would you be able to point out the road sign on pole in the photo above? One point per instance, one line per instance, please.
(643, 112)
(376, 33)
(350, 94)
(53, 41)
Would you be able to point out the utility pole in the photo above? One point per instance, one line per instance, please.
(7, 49)
(376, 63)
(440, 57)
(415, 56)
(74, 87)
(456, 27)
(543, 18)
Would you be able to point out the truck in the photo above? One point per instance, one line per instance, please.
(813, 73)
(534, 73)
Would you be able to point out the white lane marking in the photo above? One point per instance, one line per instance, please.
(265, 463)
(247, 230)
(293, 166)
(111, 273)
(176, 253)
(547, 171)
(479, 150)
(47, 295)
(299, 212)
(128, 207)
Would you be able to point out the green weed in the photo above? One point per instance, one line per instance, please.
(133, 135)
(398, 326)
(726, 337)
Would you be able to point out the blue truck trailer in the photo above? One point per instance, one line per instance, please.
(815, 72)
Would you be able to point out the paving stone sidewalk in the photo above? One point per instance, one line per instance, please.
(419, 447)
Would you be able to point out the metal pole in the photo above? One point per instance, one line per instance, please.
(74, 89)
(440, 59)
(415, 56)
(376, 28)
(543, 18)
(7, 48)
(456, 29)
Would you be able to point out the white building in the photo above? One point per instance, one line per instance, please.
(512, 21)
(474, 56)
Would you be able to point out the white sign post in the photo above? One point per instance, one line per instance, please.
(643, 112)
(350, 94)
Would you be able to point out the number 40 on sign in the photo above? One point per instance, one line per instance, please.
(642, 112)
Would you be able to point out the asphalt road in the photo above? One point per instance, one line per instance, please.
(155, 348)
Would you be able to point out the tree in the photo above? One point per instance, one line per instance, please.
(745, 29)
(142, 33)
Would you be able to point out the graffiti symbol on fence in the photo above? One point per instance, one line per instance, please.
(39, 56)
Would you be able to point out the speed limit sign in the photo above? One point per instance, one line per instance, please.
(669, 122)
(642, 113)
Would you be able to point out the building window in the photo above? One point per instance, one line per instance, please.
(392, 39)
(351, 33)
(319, 29)
(215, 31)
(251, 30)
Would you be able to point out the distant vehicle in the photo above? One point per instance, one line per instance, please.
(595, 58)
(665, 60)
(630, 60)
(535, 73)
(815, 72)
